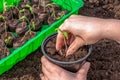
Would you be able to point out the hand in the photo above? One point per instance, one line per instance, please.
(81, 30)
(53, 72)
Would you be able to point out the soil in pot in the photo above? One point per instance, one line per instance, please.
(7, 15)
(2, 27)
(51, 50)
(37, 9)
(26, 13)
(15, 12)
(8, 38)
(30, 34)
(35, 2)
(4, 51)
(2, 43)
(19, 41)
(21, 28)
(12, 24)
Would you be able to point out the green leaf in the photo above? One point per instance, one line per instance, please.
(65, 34)
(2, 17)
(30, 8)
(22, 18)
(21, 11)
(33, 25)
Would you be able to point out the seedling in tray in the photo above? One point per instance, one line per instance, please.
(35, 23)
(54, 12)
(28, 34)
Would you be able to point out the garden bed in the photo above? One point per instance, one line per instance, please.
(105, 59)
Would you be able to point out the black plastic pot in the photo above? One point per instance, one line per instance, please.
(72, 66)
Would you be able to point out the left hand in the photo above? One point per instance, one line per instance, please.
(54, 72)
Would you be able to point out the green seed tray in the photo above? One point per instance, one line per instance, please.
(33, 44)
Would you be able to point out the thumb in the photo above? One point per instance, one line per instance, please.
(76, 44)
(84, 69)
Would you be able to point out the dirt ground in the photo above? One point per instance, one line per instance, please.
(105, 58)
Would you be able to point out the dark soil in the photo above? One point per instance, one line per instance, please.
(60, 55)
(105, 59)
(19, 41)
(29, 34)
(8, 38)
(2, 27)
(21, 28)
(12, 24)
(29, 69)
(4, 51)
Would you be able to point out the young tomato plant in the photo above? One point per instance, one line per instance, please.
(65, 34)
(31, 10)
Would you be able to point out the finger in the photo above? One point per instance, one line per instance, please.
(46, 78)
(60, 36)
(76, 44)
(50, 66)
(66, 26)
(59, 41)
(43, 77)
(46, 73)
(84, 69)
(73, 16)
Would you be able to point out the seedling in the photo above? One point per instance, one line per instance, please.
(2, 18)
(5, 6)
(52, 5)
(65, 34)
(12, 6)
(33, 25)
(8, 39)
(31, 10)
(22, 10)
(53, 10)
(61, 15)
(25, 18)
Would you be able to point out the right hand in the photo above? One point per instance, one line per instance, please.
(85, 30)
(54, 72)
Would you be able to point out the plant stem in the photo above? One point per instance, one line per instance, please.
(65, 37)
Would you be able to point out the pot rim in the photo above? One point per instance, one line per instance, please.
(62, 62)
